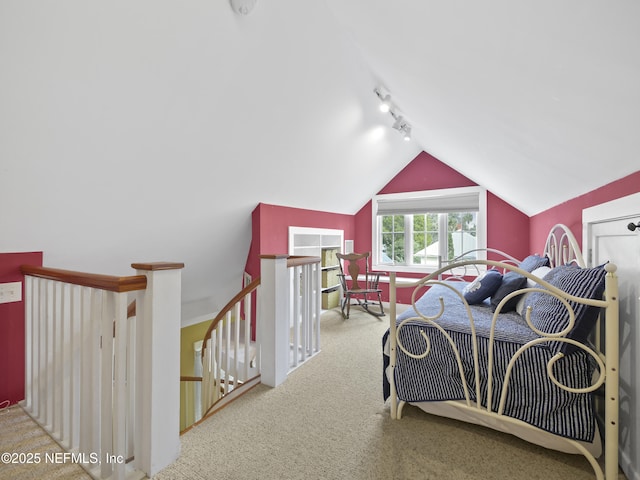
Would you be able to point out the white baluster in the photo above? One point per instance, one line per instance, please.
(317, 282)
(236, 346)
(29, 350)
(120, 396)
(106, 385)
(247, 336)
(295, 318)
(304, 314)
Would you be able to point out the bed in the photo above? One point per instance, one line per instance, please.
(518, 347)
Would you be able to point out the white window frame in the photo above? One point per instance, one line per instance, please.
(429, 197)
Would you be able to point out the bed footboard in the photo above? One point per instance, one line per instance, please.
(486, 400)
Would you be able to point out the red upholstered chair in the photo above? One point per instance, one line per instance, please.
(359, 283)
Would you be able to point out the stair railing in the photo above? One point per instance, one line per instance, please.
(230, 359)
(288, 314)
(102, 383)
(241, 350)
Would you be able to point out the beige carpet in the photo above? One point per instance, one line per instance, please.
(328, 421)
(19, 434)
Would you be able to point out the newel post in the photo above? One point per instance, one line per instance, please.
(157, 408)
(273, 319)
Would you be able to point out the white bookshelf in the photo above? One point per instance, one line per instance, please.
(321, 242)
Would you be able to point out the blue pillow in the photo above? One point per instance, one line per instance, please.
(482, 287)
(549, 315)
(511, 282)
(532, 262)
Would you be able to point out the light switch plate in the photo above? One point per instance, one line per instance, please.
(10, 292)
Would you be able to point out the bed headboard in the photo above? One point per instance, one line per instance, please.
(562, 247)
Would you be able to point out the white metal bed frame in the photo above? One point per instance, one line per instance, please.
(561, 247)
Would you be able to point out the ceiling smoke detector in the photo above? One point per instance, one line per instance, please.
(243, 7)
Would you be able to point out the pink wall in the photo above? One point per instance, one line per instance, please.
(270, 231)
(570, 212)
(12, 339)
(426, 172)
(507, 229)
(270, 224)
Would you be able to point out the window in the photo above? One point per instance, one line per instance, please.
(419, 231)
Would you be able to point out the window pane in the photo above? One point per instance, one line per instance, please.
(418, 229)
(398, 248)
(393, 238)
(459, 237)
(398, 223)
(425, 239)
(387, 223)
(432, 250)
(418, 245)
(462, 233)
(387, 248)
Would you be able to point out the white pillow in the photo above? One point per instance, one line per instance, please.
(539, 272)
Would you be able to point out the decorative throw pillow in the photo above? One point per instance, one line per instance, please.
(482, 287)
(523, 300)
(534, 261)
(549, 315)
(511, 282)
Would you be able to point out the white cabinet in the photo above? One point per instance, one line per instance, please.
(323, 243)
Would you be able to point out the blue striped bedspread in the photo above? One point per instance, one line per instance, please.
(531, 396)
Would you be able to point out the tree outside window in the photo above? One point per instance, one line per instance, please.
(427, 237)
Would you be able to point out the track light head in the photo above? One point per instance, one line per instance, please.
(407, 132)
(243, 7)
(399, 123)
(385, 106)
(385, 100)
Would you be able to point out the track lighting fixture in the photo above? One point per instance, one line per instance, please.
(242, 7)
(385, 100)
(401, 125)
(386, 105)
(407, 132)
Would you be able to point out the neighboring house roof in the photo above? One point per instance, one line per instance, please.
(462, 242)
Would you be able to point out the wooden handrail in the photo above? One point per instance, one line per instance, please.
(295, 261)
(93, 280)
(227, 308)
(292, 261)
(188, 378)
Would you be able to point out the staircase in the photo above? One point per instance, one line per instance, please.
(101, 370)
(287, 333)
(97, 381)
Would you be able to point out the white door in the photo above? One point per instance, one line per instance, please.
(611, 240)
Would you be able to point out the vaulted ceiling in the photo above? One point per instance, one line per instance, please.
(536, 100)
(149, 130)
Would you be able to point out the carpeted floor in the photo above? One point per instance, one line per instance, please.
(34, 451)
(326, 421)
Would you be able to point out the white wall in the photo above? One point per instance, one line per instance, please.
(149, 130)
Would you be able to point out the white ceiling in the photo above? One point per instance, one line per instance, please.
(507, 92)
(149, 130)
